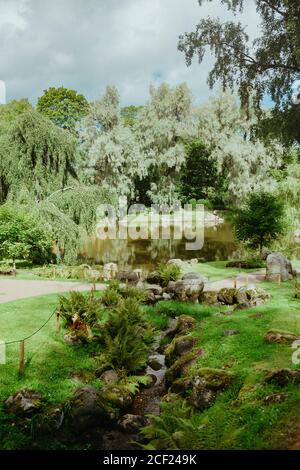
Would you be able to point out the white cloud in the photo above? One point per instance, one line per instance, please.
(87, 44)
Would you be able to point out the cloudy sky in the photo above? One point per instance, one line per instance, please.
(87, 44)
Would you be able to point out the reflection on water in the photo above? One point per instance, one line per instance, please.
(219, 244)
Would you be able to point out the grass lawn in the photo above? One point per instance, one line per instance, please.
(216, 270)
(49, 361)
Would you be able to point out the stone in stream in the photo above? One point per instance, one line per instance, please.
(277, 265)
(87, 409)
(23, 403)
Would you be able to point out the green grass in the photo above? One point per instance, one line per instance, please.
(49, 361)
(216, 270)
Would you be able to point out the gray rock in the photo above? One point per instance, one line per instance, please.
(231, 332)
(109, 376)
(24, 403)
(154, 289)
(177, 262)
(129, 276)
(189, 289)
(109, 271)
(277, 265)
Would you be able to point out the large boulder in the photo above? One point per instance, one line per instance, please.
(189, 288)
(24, 403)
(277, 265)
(209, 298)
(88, 409)
(231, 296)
(109, 271)
(109, 376)
(207, 384)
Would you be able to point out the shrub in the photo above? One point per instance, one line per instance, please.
(22, 236)
(126, 337)
(169, 272)
(78, 310)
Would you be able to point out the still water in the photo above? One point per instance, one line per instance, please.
(219, 244)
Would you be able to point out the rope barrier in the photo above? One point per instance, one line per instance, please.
(33, 334)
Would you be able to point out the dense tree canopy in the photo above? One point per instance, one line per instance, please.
(64, 107)
(36, 154)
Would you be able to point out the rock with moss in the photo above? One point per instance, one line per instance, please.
(207, 384)
(178, 347)
(282, 337)
(189, 290)
(181, 367)
(117, 396)
(283, 377)
(181, 386)
(87, 409)
(184, 324)
(24, 403)
(109, 376)
(231, 296)
(50, 420)
(209, 298)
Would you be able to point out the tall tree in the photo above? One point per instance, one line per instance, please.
(36, 154)
(112, 153)
(64, 107)
(161, 129)
(269, 64)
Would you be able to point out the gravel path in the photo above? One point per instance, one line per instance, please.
(15, 289)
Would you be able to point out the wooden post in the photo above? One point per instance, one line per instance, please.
(57, 324)
(22, 356)
(279, 280)
(235, 282)
(247, 279)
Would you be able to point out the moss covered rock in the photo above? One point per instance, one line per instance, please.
(282, 337)
(182, 365)
(207, 384)
(179, 347)
(117, 396)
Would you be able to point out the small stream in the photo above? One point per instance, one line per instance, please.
(146, 402)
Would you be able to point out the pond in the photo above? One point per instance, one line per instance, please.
(219, 244)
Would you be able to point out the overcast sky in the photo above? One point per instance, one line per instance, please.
(87, 44)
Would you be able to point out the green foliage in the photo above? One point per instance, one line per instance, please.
(37, 155)
(23, 236)
(166, 432)
(126, 337)
(199, 177)
(111, 297)
(169, 272)
(129, 114)
(63, 107)
(246, 64)
(261, 220)
(79, 309)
